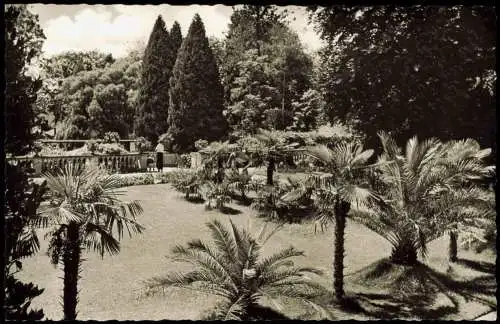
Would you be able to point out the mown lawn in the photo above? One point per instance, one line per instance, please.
(111, 288)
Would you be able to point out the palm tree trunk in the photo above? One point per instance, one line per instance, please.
(453, 249)
(270, 171)
(405, 253)
(71, 262)
(341, 209)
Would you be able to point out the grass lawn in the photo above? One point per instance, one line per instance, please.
(111, 288)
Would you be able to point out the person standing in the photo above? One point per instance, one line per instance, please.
(159, 156)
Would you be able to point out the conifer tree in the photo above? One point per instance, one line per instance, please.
(176, 37)
(196, 93)
(152, 105)
(23, 42)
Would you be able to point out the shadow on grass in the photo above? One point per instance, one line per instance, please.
(243, 202)
(229, 211)
(396, 291)
(256, 313)
(486, 267)
(195, 199)
(262, 313)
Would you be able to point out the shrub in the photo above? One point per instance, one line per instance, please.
(269, 202)
(111, 137)
(111, 148)
(186, 182)
(91, 146)
(136, 179)
(200, 144)
(50, 150)
(143, 145)
(215, 193)
(239, 182)
(185, 161)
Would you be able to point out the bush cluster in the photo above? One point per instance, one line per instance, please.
(185, 161)
(111, 137)
(135, 179)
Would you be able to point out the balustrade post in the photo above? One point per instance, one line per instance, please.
(142, 162)
(37, 165)
(93, 161)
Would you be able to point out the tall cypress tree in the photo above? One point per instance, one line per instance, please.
(152, 104)
(196, 93)
(176, 37)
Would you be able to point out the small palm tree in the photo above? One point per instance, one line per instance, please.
(473, 206)
(239, 181)
(218, 154)
(269, 146)
(187, 182)
(215, 192)
(87, 215)
(232, 269)
(340, 188)
(424, 195)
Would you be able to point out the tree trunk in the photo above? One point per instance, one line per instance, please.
(270, 171)
(405, 253)
(453, 250)
(220, 171)
(71, 262)
(341, 210)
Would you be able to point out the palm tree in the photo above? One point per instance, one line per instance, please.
(424, 195)
(269, 146)
(187, 181)
(232, 268)
(338, 190)
(477, 210)
(88, 214)
(218, 154)
(239, 181)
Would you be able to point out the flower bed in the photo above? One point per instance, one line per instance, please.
(136, 179)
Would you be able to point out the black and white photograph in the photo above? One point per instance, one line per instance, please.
(249, 161)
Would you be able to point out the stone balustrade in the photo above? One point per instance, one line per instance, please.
(122, 163)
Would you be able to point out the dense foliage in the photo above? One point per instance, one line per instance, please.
(23, 42)
(196, 94)
(93, 99)
(176, 37)
(264, 70)
(411, 69)
(22, 199)
(153, 99)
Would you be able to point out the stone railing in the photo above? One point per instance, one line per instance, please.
(122, 163)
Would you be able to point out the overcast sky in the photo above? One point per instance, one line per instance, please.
(115, 28)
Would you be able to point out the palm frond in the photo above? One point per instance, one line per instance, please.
(321, 153)
(188, 280)
(361, 158)
(268, 264)
(99, 239)
(223, 240)
(234, 311)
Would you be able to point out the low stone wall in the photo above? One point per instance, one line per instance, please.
(122, 163)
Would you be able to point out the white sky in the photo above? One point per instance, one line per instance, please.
(114, 28)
